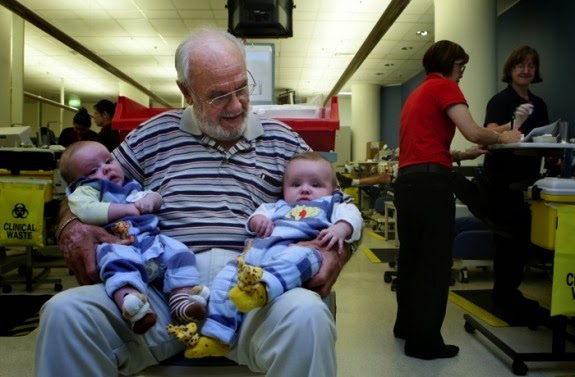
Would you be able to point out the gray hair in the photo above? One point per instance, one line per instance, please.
(184, 50)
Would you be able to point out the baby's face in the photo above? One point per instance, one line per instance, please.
(95, 161)
(307, 180)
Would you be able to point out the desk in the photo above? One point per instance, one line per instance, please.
(558, 323)
(565, 150)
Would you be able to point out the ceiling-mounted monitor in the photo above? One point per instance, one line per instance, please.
(260, 18)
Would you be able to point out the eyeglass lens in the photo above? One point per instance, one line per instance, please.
(226, 98)
(522, 66)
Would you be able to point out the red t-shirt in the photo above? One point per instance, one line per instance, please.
(425, 131)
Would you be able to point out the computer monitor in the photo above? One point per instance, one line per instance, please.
(17, 136)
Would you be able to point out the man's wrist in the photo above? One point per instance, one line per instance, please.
(64, 225)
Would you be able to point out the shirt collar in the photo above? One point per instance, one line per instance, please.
(189, 124)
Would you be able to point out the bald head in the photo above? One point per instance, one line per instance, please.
(207, 48)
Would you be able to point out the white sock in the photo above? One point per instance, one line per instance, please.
(135, 307)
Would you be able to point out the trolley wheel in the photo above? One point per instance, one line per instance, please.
(394, 285)
(519, 368)
(387, 277)
(22, 271)
(58, 287)
(464, 275)
(469, 328)
(392, 264)
(6, 288)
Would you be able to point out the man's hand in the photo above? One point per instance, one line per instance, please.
(331, 266)
(78, 243)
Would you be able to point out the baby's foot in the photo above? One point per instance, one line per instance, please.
(205, 347)
(187, 334)
(136, 309)
(246, 301)
(248, 275)
(189, 305)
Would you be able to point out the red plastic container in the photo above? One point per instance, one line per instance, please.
(130, 114)
(319, 133)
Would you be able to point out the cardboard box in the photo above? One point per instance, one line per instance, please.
(372, 148)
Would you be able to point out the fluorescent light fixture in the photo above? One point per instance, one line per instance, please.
(422, 33)
(74, 102)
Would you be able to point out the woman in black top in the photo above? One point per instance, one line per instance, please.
(507, 175)
(80, 130)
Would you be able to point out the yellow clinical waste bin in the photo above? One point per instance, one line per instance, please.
(22, 210)
(546, 194)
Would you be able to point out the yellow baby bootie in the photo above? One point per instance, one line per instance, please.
(205, 347)
(246, 301)
(250, 293)
(187, 334)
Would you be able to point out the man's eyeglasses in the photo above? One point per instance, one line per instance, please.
(242, 93)
(521, 67)
(461, 66)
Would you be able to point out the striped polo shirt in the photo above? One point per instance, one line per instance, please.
(208, 192)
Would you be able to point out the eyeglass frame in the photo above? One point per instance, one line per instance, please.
(227, 97)
(522, 66)
(462, 66)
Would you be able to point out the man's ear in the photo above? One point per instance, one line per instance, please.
(186, 92)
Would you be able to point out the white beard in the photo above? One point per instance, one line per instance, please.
(216, 131)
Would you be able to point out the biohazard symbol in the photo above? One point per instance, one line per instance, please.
(20, 211)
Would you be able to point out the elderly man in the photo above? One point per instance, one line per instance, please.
(214, 163)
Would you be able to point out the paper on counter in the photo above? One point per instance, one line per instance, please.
(550, 129)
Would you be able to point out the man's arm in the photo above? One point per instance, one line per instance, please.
(78, 242)
(331, 266)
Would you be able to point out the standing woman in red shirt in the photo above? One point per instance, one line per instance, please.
(424, 197)
(103, 113)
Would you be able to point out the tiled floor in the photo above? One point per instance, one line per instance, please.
(366, 346)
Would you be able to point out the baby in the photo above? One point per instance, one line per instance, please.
(98, 195)
(312, 209)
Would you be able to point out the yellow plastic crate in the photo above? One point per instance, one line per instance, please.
(549, 193)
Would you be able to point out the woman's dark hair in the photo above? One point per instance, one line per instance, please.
(518, 56)
(82, 118)
(441, 57)
(106, 106)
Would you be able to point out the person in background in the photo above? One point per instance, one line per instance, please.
(507, 175)
(388, 176)
(424, 197)
(384, 178)
(98, 194)
(213, 163)
(312, 208)
(80, 130)
(104, 112)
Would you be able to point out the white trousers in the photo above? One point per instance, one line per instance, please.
(82, 333)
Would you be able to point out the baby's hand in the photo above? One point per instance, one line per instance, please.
(335, 235)
(261, 226)
(149, 203)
